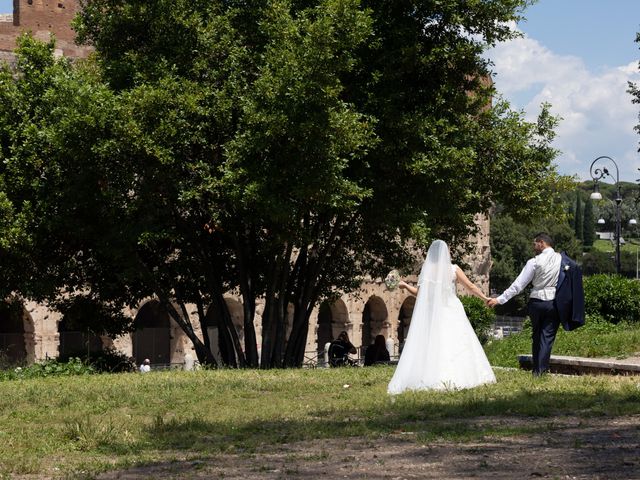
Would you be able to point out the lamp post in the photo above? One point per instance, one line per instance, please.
(597, 174)
(632, 223)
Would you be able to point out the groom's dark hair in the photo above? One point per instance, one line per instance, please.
(544, 237)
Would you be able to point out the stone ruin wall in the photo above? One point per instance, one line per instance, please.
(43, 18)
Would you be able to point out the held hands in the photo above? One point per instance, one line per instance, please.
(491, 302)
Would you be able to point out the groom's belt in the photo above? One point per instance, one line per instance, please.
(540, 300)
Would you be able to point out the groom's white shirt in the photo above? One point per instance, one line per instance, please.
(542, 271)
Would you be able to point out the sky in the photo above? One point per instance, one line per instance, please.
(578, 55)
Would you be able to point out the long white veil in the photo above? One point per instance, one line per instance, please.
(436, 291)
(436, 275)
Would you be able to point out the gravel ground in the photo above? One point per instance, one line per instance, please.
(562, 448)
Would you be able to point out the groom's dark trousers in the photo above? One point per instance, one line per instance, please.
(544, 323)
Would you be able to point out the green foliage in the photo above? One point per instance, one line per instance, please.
(634, 90)
(281, 149)
(597, 338)
(511, 248)
(112, 361)
(579, 217)
(480, 316)
(589, 224)
(109, 360)
(601, 259)
(612, 297)
(48, 368)
(84, 313)
(598, 262)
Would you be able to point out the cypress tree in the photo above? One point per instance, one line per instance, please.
(589, 225)
(572, 215)
(579, 220)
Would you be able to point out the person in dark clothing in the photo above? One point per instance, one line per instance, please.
(377, 352)
(339, 351)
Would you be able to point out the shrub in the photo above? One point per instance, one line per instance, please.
(481, 317)
(48, 368)
(612, 297)
(111, 360)
(107, 360)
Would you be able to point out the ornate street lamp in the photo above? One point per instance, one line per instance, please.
(597, 174)
(633, 223)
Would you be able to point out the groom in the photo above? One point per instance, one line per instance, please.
(556, 297)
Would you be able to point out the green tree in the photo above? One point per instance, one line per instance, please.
(572, 214)
(511, 248)
(634, 90)
(579, 217)
(283, 150)
(589, 224)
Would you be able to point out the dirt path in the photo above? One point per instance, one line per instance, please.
(562, 448)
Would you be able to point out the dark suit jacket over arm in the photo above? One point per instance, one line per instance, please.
(570, 294)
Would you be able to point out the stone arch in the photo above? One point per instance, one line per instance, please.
(76, 343)
(16, 329)
(404, 319)
(152, 337)
(212, 324)
(332, 319)
(374, 320)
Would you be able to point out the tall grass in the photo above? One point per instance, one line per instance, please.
(57, 426)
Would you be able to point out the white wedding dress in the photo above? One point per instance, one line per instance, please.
(441, 352)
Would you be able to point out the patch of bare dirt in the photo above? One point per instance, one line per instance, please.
(563, 448)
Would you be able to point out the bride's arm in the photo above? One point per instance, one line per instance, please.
(471, 287)
(412, 290)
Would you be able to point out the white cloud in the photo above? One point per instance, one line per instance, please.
(598, 116)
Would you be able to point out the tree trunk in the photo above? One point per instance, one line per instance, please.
(202, 352)
(248, 302)
(229, 333)
(205, 335)
(273, 316)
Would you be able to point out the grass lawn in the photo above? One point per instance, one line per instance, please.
(608, 246)
(76, 426)
(595, 339)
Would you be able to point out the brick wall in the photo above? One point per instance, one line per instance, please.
(49, 15)
(42, 18)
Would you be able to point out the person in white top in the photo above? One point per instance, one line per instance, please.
(542, 272)
(146, 366)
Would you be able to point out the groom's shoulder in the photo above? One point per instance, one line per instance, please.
(567, 260)
(565, 256)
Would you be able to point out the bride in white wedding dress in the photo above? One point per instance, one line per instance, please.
(441, 351)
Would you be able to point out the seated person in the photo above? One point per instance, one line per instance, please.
(377, 352)
(146, 366)
(339, 351)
